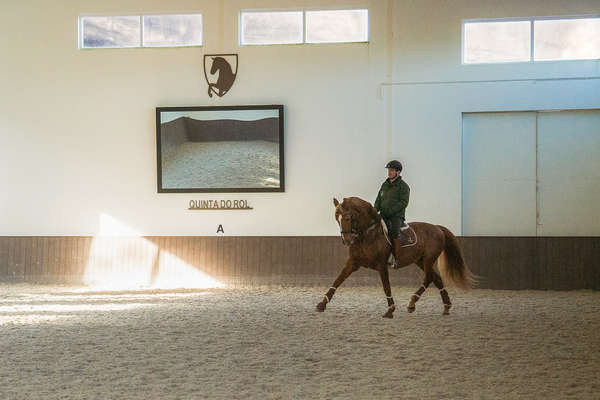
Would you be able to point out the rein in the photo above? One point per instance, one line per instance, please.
(360, 235)
(370, 228)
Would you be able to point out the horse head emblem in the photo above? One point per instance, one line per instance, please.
(221, 73)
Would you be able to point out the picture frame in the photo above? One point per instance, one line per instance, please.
(220, 149)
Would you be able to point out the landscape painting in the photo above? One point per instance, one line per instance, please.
(220, 149)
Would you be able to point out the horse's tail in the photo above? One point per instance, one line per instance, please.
(452, 264)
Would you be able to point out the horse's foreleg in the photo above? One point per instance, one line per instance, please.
(345, 273)
(385, 280)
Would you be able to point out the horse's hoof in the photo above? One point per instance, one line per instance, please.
(411, 309)
(320, 307)
(390, 312)
(446, 310)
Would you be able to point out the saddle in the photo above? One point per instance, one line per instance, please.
(407, 236)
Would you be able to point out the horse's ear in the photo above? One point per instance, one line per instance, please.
(336, 202)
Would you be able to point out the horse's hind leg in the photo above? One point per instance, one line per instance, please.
(385, 280)
(345, 273)
(415, 297)
(437, 281)
(427, 267)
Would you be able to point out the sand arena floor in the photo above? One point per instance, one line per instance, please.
(269, 343)
(230, 164)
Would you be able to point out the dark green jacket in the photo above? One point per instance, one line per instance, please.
(392, 198)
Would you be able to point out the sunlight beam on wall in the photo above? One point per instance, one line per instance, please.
(121, 259)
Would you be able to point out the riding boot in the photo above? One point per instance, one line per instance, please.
(401, 238)
(395, 248)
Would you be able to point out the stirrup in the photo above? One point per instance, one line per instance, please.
(391, 261)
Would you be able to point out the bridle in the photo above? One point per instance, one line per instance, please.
(353, 226)
(354, 232)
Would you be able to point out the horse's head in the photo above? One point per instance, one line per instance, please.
(218, 63)
(352, 215)
(355, 216)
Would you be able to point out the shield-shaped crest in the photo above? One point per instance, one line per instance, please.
(220, 71)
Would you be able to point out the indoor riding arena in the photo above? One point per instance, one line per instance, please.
(339, 199)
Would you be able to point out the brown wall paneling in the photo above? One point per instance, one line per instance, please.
(214, 257)
(556, 263)
(195, 253)
(183, 251)
(10, 263)
(4, 257)
(277, 261)
(64, 260)
(252, 261)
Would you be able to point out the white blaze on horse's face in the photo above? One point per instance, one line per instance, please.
(344, 220)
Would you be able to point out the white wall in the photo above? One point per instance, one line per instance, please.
(426, 118)
(77, 128)
(78, 151)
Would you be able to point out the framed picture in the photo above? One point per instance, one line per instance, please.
(220, 149)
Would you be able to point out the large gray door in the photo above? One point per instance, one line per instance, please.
(531, 173)
(499, 178)
(569, 173)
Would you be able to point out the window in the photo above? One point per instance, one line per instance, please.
(172, 30)
(567, 39)
(296, 27)
(111, 32)
(531, 39)
(140, 31)
(489, 42)
(271, 27)
(337, 26)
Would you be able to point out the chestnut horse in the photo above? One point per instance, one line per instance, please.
(363, 231)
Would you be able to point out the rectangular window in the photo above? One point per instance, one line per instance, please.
(531, 39)
(271, 27)
(567, 39)
(109, 32)
(337, 26)
(296, 27)
(497, 41)
(126, 31)
(172, 30)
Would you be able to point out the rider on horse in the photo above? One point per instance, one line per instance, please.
(391, 203)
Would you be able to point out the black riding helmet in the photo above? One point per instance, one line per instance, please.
(395, 164)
